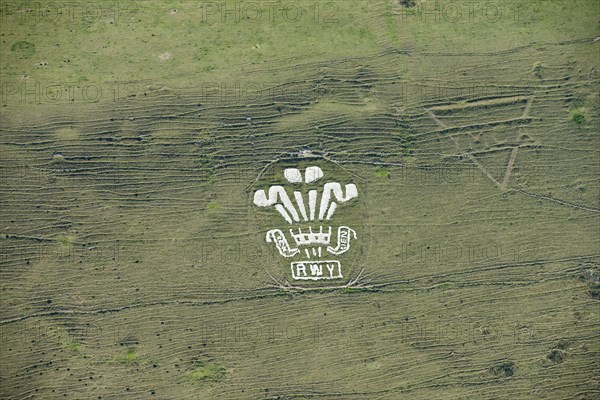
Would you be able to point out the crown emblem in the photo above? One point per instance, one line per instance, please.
(315, 207)
(304, 239)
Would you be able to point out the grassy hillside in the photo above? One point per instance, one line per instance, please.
(133, 136)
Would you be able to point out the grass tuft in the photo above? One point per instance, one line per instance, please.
(129, 358)
(382, 172)
(504, 369)
(206, 372)
(577, 116)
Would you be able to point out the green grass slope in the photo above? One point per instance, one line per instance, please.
(133, 264)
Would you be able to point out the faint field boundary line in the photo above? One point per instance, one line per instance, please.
(269, 291)
(564, 203)
(469, 155)
(502, 186)
(515, 150)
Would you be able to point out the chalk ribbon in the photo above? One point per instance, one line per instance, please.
(277, 236)
(344, 235)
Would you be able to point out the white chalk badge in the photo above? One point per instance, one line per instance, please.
(312, 218)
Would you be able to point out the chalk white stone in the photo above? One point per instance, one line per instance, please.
(293, 209)
(331, 210)
(344, 235)
(312, 174)
(313, 270)
(351, 191)
(276, 193)
(293, 175)
(312, 203)
(277, 236)
(335, 189)
(283, 213)
(300, 202)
